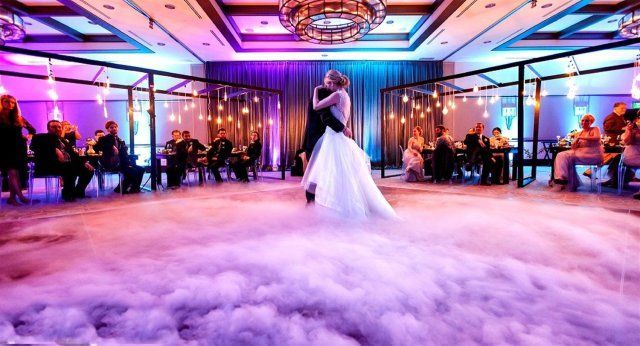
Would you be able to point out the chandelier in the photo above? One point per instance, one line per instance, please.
(11, 26)
(331, 21)
(629, 25)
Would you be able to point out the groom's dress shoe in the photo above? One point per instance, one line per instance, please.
(310, 197)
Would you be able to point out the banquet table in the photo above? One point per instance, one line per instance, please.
(427, 151)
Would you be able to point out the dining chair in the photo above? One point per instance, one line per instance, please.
(622, 169)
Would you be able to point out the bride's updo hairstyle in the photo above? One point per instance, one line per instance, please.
(338, 78)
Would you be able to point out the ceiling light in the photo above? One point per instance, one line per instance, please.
(547, 5)
(170, 6)
(90, 22)
(307, 19)
(28, 23)
(485, 42)
(161, 44)
(491, 5)
(609, 21)
(206, 44)
(444, 42)
(325, 55)
(264, 22)
(390, 22)
(109, 7)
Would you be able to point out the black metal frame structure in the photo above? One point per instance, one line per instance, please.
(151, 91)
(521, 65)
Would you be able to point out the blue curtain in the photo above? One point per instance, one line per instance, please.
(298, 78)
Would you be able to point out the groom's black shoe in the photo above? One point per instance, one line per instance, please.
(310, 197)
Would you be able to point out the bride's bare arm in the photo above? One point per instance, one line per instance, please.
(329, 101)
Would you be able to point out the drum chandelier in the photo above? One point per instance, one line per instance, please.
(331, 21)
(629, 25)
(11, 26)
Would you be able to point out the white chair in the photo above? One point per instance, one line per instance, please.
(111, 174)
(622, 169)
(596, 170)
(256, 168)
(49, 182)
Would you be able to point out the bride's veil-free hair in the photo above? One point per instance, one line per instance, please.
(338, 78)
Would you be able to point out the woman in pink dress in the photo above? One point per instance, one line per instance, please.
(586, 149)
(412, 157)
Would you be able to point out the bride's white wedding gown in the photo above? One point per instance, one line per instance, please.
(341, 173)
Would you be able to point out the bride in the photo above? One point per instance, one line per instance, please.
(339, 170)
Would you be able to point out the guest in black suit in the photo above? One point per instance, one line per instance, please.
(115, 158)
(479, 151)
(175, 170)
(219, 153)
(254, 150)
(317, 122)
(187, 150)
(54, 155)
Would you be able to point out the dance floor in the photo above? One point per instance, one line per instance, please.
(252, 264)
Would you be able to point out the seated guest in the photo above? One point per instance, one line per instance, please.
(218, 153)
(254, 150)
(187, 151)
(499, 141)
(412, 156)
(91, 142)
(70, 133)
(187, 154)
(614, 123)
(585, 149)
(443, 155)
(479, 151)
(115, 158)
(631, 141)
(175, 170)
(55, 156)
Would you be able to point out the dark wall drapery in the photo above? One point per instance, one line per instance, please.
(298, 78)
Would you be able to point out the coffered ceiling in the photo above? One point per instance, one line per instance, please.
(194, 31)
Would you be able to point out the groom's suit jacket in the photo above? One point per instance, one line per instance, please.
(317, 122)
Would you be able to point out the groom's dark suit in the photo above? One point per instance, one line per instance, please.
(317, 122)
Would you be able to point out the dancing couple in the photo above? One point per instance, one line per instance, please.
(338, 175)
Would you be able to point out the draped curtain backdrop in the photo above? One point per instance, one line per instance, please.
(297, 79)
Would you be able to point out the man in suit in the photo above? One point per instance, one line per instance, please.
(175, 170)
(115, 158)
(317, 122)
(479, 150)
(187, 153)
(218, 153)
(54, 155)
(614, 124)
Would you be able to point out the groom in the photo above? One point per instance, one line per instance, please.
(317, 122)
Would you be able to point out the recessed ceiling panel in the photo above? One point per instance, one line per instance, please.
(564, 23)
(82, 25)
(607, 25)
(34, 27)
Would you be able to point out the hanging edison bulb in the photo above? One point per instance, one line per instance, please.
(485, 114)
(172, 117)
(391, 115)
(193, 104)
(200, 117)
(480, 101)
(225, 98)
(209, 117)
(238, 123)
(219, 120)
(186, 107)
(421, 115)
(402, 120)
(270, 121)
(220, 106)
(99, 99)
(438, 104)
(453, 105)
(544, 93)
(445, 110)
(166, 104)
(418, 106)
(229, 118)
(428, 109)
(256, 99)
(259, 125)
(435, 94)
(475, 88)
(3, 91)
(405, 98)
(464, 99)
(195, 93)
